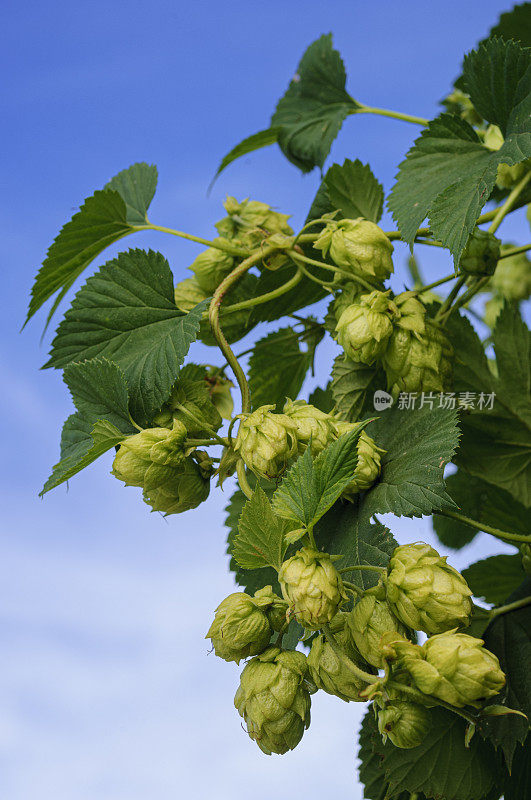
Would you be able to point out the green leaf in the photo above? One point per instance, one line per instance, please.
(99, 392)
(520, 779)
(515, 24)
(354, 191)
(126, 311)
(448, 176)
(260, 541)
(370, 772)
(277, 368)
(468, 493)
(248, 145)
(497, 77)
(496, 442)
(322, 399)
(346, 530)
(353, 386)
(314, 107)
(311, 487)
(418, 444)
(495, 578)
(102, 219)
(509, 637)
(440, 767)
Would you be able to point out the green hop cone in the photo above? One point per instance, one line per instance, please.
(411, 313)
(350, 293)
(328, 672)
(481, 253)
(357, 246)
(311, 424)
(250, 222)
(149, 458)
(453, 667)
(241, 626)
(219, 390)
(274, 700)
(188, 294)
(405, 724)
(507, 176)
(312, 586)
(369, 461)
(266, 441)
(210, 267)
(418, 363)
(190, 404)
(185, 488)
(368, 621)
(364, 328)
(512, 279)
(425, 592)
(460, 103)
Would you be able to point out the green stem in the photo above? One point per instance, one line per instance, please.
(368, 567)
(359, 673)
(434, 284)
(430, 242)
(298, 256)
(324, 284)
(262, 298)
(514, 251)
(385, 112)
(352, 586)
(205, 442)
(510, 607)
(242, 479)
(420, 697)
(446, 306)
(507, 206)
(470, 293)
(201, 424)
(219, 245)
(213, 314)
(503, 535)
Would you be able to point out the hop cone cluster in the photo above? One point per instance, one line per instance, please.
(312, 586)
(425, 592)
(274, 700)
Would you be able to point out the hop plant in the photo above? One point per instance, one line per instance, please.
(368, 621)
(150, 458)
(481, 253)
(329, 672)
(405, 724)
(453, 667)
(415, 363)
(312, 586)
(369, 461)
(311, 425)
(357, 246)
(186, 488)
(274, 700)
(266, 441)
(210, 267)
(425, 592)
(364, 327)
(411, 314)
(242, 625)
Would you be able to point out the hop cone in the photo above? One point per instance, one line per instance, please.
(328, 671)
(150, 458)
(415, 363)
(219, 390)
(266, 441)
(274, 700)
(411, 313)
(357, 246)
(241, 626)
(364, 327)
(350, 293)
(250, 221)
(210, 267)
(512, 279)
(189, 403)
(453, 667)
(405, 724)
(369, 461)
(312, 586)
(186, 488)
(188, 294)
(368, 621)
(425, 592)
(311, 424)
(507, 175)
(481, 253)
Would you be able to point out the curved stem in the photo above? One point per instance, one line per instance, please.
(204, 442)
(420, 697)
(219, 245)
(514, 251)
(324, 284)
(368, 567)
(359, 673)
(295, 255)
(213, 315)
(385, 112)
(507, 206)
(446, 306)
(510, 607)
(263, 298)
(473, 290)
(503, 535)
(352, 587)
(242, 479)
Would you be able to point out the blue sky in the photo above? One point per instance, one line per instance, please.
(106, 689)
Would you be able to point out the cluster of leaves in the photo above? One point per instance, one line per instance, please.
(123, 342)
